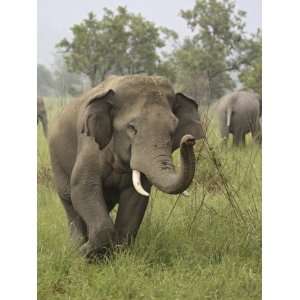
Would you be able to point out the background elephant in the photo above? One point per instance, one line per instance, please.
(42, 114)
(239, 113)
(111, 145)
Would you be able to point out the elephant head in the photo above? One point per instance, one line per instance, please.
(144, 122)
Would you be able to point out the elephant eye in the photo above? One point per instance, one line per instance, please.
(132, 128)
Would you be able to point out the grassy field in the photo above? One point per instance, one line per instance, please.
(206, 246)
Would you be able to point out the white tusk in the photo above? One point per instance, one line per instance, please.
(136, 180)
(186, 193)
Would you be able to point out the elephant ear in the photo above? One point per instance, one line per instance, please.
(97, 119)
(186, 110)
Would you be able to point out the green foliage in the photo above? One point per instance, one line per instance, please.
(251, 73)
(119, 43)
(83, 53)
(199, 247)
(125, 43)
(204, 61)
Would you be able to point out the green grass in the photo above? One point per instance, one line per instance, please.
(206, 246)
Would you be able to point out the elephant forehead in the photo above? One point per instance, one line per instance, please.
(159, 116)
(127, 113)
(133, 80)
(149, 113)
(144, 85)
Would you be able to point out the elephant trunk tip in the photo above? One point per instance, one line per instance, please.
(188, 139)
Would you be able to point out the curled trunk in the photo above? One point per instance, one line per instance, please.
(162, 173)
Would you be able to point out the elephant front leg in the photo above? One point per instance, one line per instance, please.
(132, 207)
(88, 201)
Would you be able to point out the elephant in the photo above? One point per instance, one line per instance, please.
(110, 146)
(42, 114)
(239, 113)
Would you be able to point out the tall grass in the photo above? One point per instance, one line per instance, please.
(205, 246)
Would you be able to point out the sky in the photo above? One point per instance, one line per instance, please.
(55, 17)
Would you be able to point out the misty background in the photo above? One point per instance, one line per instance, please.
(55, 18)
(206, 48)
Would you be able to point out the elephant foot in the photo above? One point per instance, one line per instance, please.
(100, 244)
(93, 253)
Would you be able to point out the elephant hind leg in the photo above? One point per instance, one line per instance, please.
(243, 139)
(224, 131)
(78, 228)
(239, 138)
(236, 141)
(45, 129)
(256, 134)
(43, 119)
(45, 125)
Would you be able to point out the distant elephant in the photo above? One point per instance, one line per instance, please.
(239, 113)
(109, 147)
(42, 114)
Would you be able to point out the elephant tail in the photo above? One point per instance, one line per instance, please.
(228, 116)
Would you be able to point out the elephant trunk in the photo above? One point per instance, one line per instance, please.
(162, 173)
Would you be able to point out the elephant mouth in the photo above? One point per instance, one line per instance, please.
(136, 180)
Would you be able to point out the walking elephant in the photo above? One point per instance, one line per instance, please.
(42, 115)
(109, 147)
(239, 114)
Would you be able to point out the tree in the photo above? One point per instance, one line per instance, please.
(119, 43)
(251, 73)
(206, 59)
(83, 54)
(45, 82)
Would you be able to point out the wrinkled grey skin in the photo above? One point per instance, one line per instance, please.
(42, 115)
(125, 123)
(239, 114)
